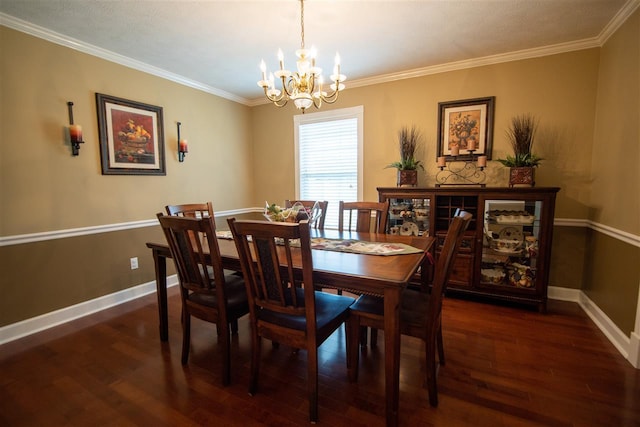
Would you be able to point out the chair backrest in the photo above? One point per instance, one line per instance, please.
(361, 221)
(194, 249)
(318, 222)
(264, 249)
(192, 210)
(444, 264)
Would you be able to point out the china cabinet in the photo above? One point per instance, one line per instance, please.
(506, 251)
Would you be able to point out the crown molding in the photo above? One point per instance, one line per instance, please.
(467, 64)
(60, 39)
(617, 21)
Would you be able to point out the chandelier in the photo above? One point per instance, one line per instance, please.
(304, 86)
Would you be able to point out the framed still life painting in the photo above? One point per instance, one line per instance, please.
(465, 128)
(131, 137)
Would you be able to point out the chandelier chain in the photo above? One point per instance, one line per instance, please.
(302, 23)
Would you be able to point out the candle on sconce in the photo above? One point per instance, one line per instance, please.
(184, 148)
(482, 161)
(471, 144)
(441, 162)
(75, 132)
(455, 150)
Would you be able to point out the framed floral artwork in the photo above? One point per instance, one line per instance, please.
(465, 128)
(131, 137)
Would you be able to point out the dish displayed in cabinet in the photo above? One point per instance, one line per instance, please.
(510, 217)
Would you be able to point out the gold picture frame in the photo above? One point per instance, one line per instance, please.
(131, 137)
(464, 124)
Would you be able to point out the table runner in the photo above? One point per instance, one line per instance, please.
(350, 245)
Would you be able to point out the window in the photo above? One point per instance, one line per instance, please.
(328, 153)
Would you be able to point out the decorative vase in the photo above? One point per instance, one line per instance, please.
(522, 176)
(407, 178)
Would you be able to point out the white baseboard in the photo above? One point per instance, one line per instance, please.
(606, 325)
(634, 350)
(628, 347)
(564, 294)
(67, 314)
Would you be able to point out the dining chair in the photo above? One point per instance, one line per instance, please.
(309, 204)
(199, 210)
(207, 293)
(420, 311)
(359, 216)
(281, 311)
(191, 210)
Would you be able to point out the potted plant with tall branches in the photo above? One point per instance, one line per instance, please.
(522, 164)
(409, 139)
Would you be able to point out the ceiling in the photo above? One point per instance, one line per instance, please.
(217, 45)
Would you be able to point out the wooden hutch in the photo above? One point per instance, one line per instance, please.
(506, 251)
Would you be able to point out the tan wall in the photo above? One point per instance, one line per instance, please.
(616, 144)
(612, 277)
(44, 188)
(560, 90)
(613, 268)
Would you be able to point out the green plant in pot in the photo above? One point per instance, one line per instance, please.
(521, 135)
(409, 139)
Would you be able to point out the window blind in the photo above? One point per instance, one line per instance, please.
(328, 157)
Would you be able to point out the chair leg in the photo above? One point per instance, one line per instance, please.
(432, 386)
(353, 347)
(186, 336)
(256, 344)
(225, 342)
(234, 327)
(440, 348)
(312, 383)
(374, 338)
(363, 335)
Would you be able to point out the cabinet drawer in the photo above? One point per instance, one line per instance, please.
(462, 270)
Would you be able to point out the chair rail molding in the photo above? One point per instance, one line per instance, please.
(20, 239)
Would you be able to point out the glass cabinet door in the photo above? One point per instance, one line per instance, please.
(409, 217)
(510, 243)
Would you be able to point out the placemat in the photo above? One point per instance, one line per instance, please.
(349, 245)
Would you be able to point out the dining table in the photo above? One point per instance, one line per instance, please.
(360, 272)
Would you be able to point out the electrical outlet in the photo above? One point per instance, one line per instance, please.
(134, 263)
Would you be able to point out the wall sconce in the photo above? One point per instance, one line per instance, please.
(183, 148)
(75, 132)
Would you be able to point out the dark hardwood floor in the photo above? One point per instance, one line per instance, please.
(505, 367)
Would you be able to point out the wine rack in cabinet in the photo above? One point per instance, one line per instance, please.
(506, 251)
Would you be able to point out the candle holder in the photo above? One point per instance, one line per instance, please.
(182, 146)
(462, 172)
(75, 132)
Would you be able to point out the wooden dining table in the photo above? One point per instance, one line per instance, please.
(381, 275)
